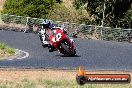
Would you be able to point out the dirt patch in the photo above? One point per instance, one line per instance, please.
(51, 74)
(32, 75)
(12, 26)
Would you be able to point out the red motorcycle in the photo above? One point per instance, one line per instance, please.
(60, 41)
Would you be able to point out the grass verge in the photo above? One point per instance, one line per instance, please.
(50, 79)
(6, 51)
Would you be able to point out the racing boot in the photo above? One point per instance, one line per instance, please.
(51, 48)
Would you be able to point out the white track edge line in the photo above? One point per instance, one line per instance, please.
(27, 54)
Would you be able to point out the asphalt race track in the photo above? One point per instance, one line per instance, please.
(92, 54)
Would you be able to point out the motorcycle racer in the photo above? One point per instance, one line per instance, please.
(61, 42)
(48, 29)
(55, 27)
(44, 33)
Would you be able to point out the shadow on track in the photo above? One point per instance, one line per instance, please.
(68, 56)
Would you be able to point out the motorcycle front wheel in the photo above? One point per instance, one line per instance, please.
(67, 50)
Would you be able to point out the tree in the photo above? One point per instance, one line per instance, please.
(115, 12)
(32, 8)
(59, 1)
(126, 21)
(78, 3)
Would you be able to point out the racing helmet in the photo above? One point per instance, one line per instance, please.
(53, 26)
(46, 24)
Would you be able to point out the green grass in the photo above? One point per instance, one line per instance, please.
(27, 84)
(53, 83)
(6, 48)
(49, 83)
(3, 86)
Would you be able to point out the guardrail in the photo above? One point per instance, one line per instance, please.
(82, 30)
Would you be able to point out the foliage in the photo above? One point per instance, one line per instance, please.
(59, 1)
(126, 21)
(61, 13)
(114, 10)
(79, 3)
(117, 12)
(31, 8)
